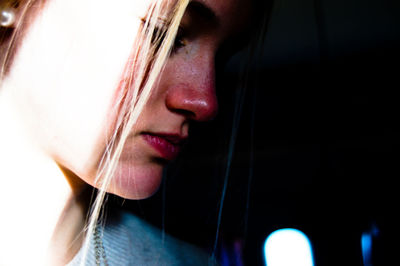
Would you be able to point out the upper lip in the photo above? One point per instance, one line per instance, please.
(176, 139)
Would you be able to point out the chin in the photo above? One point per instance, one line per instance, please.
(136, 182)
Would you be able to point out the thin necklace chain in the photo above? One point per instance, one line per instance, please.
(100, 253)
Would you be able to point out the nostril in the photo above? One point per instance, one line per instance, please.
(185, 113)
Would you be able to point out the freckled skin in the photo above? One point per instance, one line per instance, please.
(186, 91)
(76, 109)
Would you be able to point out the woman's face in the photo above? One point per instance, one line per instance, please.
(69, 67)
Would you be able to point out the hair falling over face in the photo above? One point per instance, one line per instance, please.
(149, 59)
(153, 44)
(148, 55)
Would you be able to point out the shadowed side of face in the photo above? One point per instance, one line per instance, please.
(69, 70)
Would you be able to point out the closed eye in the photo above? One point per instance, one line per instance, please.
(180, 40)
(160, 32)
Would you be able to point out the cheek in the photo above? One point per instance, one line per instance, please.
(67, 72)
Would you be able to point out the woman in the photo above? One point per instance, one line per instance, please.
(98, 94)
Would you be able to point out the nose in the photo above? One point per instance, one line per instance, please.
(194, 94)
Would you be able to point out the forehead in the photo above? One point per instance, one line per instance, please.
(230, 15)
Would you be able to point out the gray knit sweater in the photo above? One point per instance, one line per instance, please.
(128, 240)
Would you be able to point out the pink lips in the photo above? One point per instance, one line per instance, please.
(168, 145)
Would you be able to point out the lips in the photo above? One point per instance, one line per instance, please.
(167, 145)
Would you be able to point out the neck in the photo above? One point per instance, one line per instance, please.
(42, 213)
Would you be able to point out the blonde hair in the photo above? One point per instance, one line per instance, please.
(155, 42)
(152, 46)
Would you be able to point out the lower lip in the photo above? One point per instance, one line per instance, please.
(166, 149)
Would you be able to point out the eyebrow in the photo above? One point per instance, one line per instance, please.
(202, 11)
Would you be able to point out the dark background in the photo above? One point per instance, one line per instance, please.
(317, 148)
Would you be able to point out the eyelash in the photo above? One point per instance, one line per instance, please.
(179, 41)
(159, 32)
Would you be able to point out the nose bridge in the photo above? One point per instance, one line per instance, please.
(195, 95)
(206, 70)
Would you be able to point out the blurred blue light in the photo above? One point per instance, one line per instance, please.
(288, 247)
(367, 239)
(366, 247)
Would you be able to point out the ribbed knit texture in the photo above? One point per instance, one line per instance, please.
(128, 240)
